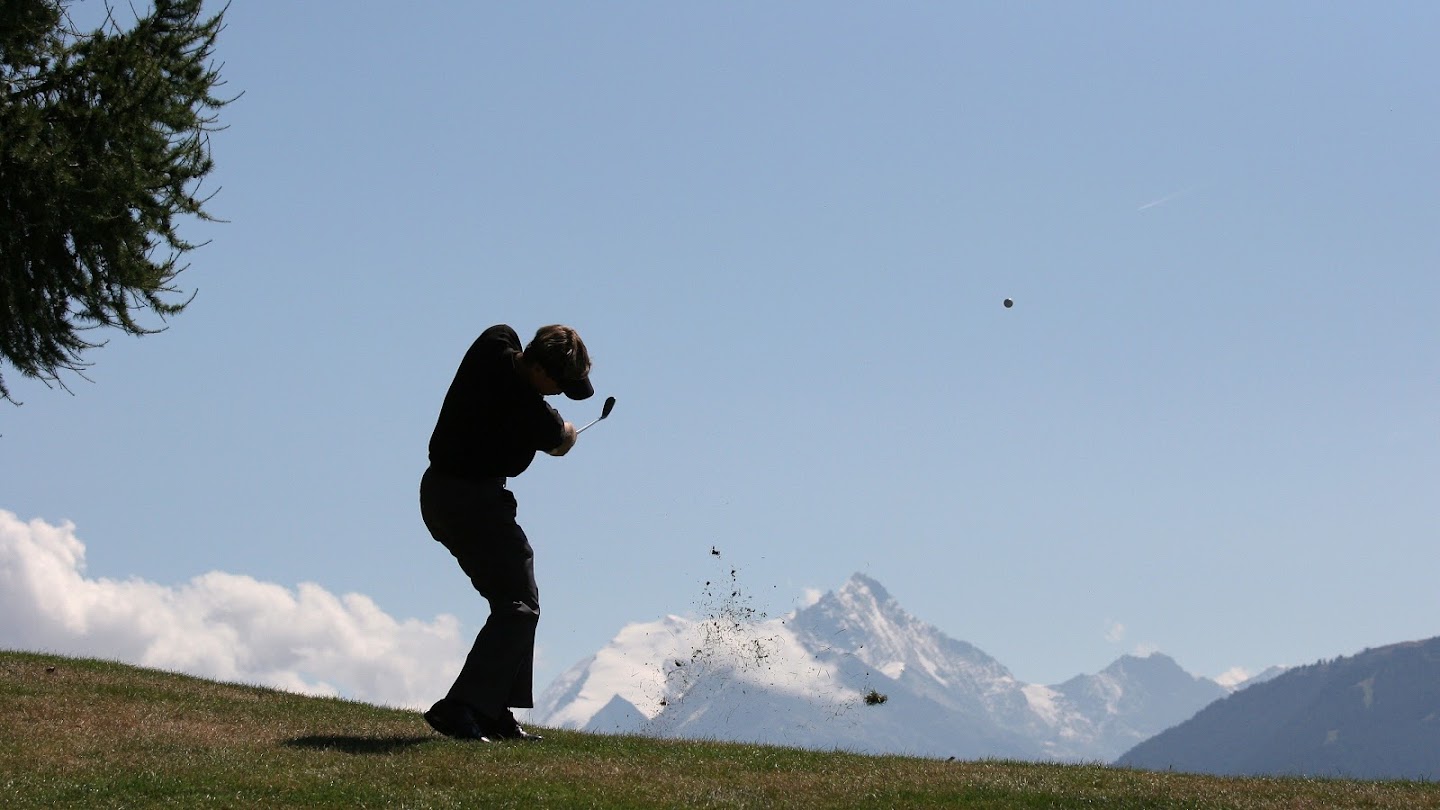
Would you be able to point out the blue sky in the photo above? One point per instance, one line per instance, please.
(1207, 427)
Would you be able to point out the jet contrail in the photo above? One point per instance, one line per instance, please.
(1167, 198)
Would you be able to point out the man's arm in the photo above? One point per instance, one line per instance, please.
(567, 442)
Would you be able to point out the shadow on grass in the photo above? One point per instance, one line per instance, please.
(359, 745)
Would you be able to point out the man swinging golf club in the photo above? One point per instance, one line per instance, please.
(493, 421)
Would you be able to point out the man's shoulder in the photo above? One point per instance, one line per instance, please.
(489, 357)
(495, 342)
(500, 333)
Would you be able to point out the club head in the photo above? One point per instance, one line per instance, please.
(604, 412)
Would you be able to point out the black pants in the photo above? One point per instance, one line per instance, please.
(476, 522)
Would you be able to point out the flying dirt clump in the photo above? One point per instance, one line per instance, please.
(729, 665)
(729, 638)
(728, 619)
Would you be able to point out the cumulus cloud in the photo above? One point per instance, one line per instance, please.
(222, 626)
(1115, 633)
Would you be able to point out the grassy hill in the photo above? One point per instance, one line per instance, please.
(85, 733)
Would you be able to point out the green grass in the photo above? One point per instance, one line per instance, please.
(85, 733)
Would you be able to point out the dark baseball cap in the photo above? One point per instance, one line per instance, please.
(578, 389)
(571, 386)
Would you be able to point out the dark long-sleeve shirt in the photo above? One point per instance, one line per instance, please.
(492, 421)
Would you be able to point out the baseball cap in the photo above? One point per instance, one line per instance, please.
(578, 389)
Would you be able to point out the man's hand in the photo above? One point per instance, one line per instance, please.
(566, 443)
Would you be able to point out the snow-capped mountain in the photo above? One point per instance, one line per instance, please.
(854, 671)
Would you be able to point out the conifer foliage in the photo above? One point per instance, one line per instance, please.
(104, 139)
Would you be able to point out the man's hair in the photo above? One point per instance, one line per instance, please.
(559, 350)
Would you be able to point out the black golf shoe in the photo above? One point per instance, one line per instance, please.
(454, 719)
(504, 727)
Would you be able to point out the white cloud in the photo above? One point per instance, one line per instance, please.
(223, 626)
(1233, 677)
(1115, 633)
(810, 596)
(1145, 649)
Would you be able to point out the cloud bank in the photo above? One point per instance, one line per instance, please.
(221, 626)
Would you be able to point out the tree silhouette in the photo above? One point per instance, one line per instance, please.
(104, 139)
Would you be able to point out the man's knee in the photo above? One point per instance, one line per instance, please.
(517, 611)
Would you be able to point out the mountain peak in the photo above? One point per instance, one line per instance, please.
(1152, 662)
(859, 584)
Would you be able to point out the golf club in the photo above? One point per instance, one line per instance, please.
(604, 412)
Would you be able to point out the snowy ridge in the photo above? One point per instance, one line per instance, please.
(580, 692)
(804, 679)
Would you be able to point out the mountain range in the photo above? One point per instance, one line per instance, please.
(855, 672)
(1374, 715)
